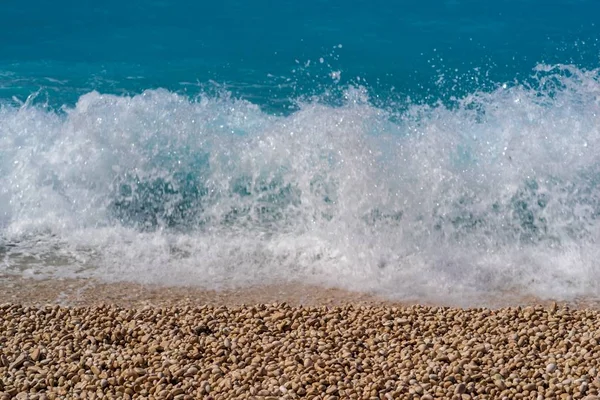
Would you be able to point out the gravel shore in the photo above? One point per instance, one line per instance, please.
(279, 351)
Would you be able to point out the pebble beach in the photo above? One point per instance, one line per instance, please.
(346, 347)
(320, 200)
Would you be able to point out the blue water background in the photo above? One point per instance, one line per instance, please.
(259, 50)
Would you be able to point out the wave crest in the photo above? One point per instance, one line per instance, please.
(496, 192)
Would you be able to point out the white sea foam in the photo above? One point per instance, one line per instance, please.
(499, 192)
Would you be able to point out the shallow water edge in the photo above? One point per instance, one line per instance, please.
(90, 292)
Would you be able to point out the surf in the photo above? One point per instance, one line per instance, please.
(492, 192)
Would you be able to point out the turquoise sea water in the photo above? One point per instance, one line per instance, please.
(433, 149)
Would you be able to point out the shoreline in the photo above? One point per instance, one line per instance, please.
(90, 292)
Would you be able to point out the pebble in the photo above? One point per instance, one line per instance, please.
(35, 354)
(18, 362)
(281, 351)
(460, 388)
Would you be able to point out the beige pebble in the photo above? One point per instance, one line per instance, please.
(4, 361)
(19, 361)
(460, 388)
(280, 351)
(35, 354)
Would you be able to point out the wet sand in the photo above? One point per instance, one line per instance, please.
(88, 292)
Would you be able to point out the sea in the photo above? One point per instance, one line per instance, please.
(436, 149)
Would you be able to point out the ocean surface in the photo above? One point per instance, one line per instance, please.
(437, 150)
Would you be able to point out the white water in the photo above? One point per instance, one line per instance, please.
(499, 193)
